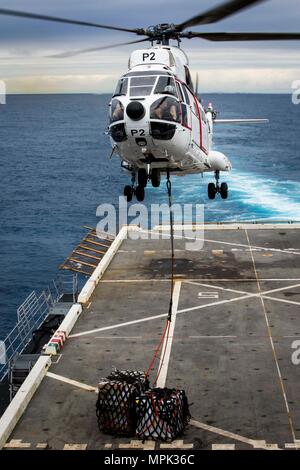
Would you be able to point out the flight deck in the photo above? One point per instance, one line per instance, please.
(236, 317)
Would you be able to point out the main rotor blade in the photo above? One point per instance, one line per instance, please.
(34, 16)
(93, 49)
(244, 36)
(218, 13)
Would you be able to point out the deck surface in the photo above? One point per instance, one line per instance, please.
(237, 316)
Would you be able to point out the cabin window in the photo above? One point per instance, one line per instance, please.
(185, 121)
(162, 130)
(186, 95)
(142, 86)
(166, 86)
(203, 115)
(118, 133)
(116, 111)
(122, 87)
(165, 108)
(188, 78)
(179, 91)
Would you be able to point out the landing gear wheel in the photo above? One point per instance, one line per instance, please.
(140, 193)
(211, 190)
(128, 193)
(224, 191)
(142, 177)
(155, 178)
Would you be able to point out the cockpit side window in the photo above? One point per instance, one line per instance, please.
(179, 91)
(186, 94)
(166, 108)
(116, 111)
(166, 86)
(122, 87)
(188, 78)
(142, 86)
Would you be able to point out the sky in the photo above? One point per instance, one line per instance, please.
(230, 67)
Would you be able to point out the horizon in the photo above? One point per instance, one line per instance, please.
(110, 93)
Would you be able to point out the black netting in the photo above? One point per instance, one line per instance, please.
(115, 407)
(162, 414)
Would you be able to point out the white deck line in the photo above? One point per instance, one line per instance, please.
(256, 444)
(163, 366)
(222, 242)
(230, 226)
(198, 307)
(282, 387)
(20, 402)
(75, 383)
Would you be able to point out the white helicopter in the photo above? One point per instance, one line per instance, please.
(156, 122)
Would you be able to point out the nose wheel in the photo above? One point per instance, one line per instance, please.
(133, 190)
(214, 189)
(142, 178)
(138, 192)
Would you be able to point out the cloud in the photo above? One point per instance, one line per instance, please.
(56, 84)
(265, 80)
(245, 66)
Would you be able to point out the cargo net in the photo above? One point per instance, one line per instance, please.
(115, 407)
(162, 414)
(127, 407)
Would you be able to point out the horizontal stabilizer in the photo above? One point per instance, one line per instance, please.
(239, 121)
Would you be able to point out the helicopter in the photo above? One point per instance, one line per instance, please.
(157, 123)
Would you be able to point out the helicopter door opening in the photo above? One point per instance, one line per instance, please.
(196, 129)
(204, 133)
(185, 108)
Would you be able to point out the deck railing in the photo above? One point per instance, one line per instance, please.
(30, 316)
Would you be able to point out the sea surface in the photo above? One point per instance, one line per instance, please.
(55, 172)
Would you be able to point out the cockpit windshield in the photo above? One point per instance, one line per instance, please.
(166, 86)
(122, 87)
(142, 86)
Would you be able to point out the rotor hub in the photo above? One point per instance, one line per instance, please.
(162, 32)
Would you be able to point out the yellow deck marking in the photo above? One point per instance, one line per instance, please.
(178, 444)
(134, 444)
(217, 252)
(75, 447)
(42, 445)
(223, 447)
(221, 279)
(295, 445)
(17, 444)
(220, 242)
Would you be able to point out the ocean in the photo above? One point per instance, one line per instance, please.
(55, 172)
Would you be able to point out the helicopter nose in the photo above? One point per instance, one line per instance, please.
(135, 110)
